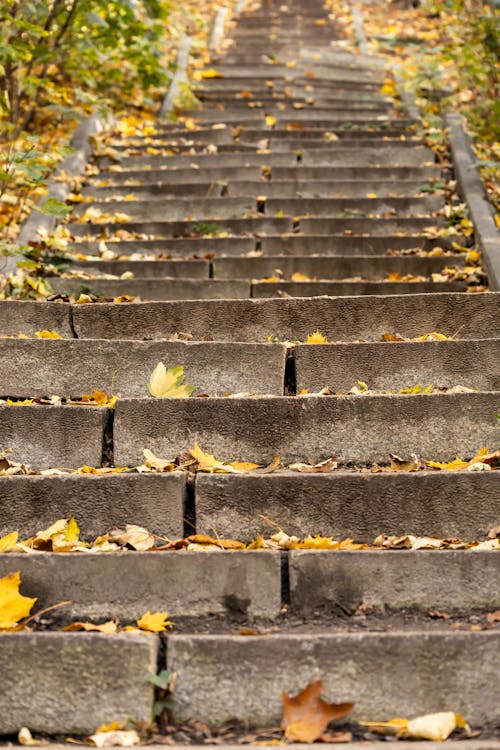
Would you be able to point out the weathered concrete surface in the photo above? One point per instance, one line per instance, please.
(70, 683)
(157, 289)
(451, 505)
(163, 229)
(352, 288)
(360, 206)
(403, 673)
(176, 210)
(323, 582)
(28, 317)
(146, 269)
(442, 364)
(99, 503)
(53, 436)
(322, 189)
(354, 428)
(375, 227)
(332, 267)
(474, 316)
(339, 244)
(127, 584)
(362, 174)
(180, 248)
(72, 368)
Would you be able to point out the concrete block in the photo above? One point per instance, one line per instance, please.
(402, 673)
(163, 229)
(82, 680)
(376, 227)
(178, 248)
(474, 316)
(98, 502)
(175, 210)
(146, 269)
(362, 174)
(330, 267)
(352, 288)
(28, 317)
(338, 244)
(354, 428)
(443, 364)
(325, 188)
(347, 504)
(323, 582)
(347, 207)
(156, 289)
(201, 161)
(72, 368)
(53, 436)
(400, 157)
(126, 585)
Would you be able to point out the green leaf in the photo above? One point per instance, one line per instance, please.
(161, 680)
(53, 207)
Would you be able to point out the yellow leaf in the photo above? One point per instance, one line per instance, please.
(371, 195)
(47, 335)
(297, 276)
(113, 726)
(155, 463)
(154, 622)
(13, 605)
(435, 727)
(8, 543)
(434, 336)
(243, 466)
(316, 338)
(211, 73)
(99, 398)
(270, 120)
(206, 461)
(108, 627)
(455, 465)
(115, 738)
(165, 383)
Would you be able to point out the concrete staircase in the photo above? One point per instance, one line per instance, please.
(296, 164)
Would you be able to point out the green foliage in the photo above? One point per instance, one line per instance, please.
(58, 53)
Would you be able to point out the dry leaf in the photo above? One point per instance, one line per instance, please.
(400, 464)
(136, 537)
(330, 464)
(316, 338)
(108, 627)
(47, 335)
(436, 727)
(154, 622)
(121, 738)
(24, 737)
(13, 605)
(306, 715)
(157, 464)
(165, 383)
(8, 543)
(493, 616)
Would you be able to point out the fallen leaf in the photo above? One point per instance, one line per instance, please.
(493, 616)
(136, 537)
(13, 605)
(108, 627)
(203, 539)
(306, 715)
(436, 727)
(401, 464)
(8, 543)
(165, 383)
(455, 465)
(24, 737)
(316, 338)
(154, 622)
(48, 335)
(330, 464)
(123, 738)
(99, 398)
(270, 121)
(157, 464)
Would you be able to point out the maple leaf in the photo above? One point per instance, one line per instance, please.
(48, 335)
(13, 605)
(154, 622)
(455, 465)
(316, 338)
(306, 715)
(165, 383)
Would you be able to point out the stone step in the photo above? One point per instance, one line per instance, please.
(100, 503)
(190, 585)
(172, 209)
(443, 364)
(180, 247)
(144, 269)
(284, 103)
(87, 678)
(370, 227)
(129, 180)
(186, 584)
(463, 316)
(395, 154)
(354, 428)
(406, 672)
(270, 189)
(71, 368)
(53, 436)
(162, 229)
(155, 289)
(340, 267)
(267, 289)
(458, 504)
(28, 317)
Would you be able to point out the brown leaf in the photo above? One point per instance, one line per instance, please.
(493, 616)
(306, 715)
